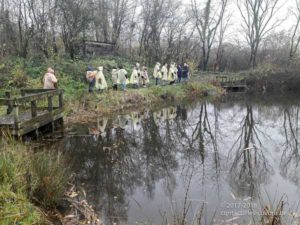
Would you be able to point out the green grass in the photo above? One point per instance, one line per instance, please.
(16, 209)
(25, 177)
(112, 102)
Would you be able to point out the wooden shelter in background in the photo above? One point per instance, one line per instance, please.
(98, 48)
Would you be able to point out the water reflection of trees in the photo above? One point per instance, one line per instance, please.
(250, 168)
(290, 156)
(130, 153)
(146, 149)
(199, 139)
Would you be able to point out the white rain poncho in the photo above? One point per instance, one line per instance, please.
(101, 83)
(49, 79)
(156, 71)
(145, 76)
(122, 76)
(134, 79)
(114, 76)
(172, 73)
(139, 72)
(164, 71)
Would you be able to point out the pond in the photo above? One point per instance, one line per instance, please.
(215, 162)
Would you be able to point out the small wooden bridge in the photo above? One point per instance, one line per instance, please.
(232, 83)
(31, 110)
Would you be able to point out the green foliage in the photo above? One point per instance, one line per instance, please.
(18, 77)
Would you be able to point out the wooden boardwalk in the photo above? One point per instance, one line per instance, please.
(33, 109)
(232, 83)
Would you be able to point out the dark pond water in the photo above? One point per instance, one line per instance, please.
(215, 162)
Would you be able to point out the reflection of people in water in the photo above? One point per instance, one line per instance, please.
(135, 120)
(181, 112)
(165, 114)
(101, 124)
(123, 121)
(94, 131)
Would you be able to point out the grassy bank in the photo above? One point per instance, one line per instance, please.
(30, 184)
(108, 102)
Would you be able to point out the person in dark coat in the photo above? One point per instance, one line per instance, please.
(91, 77)
(179, 73)
(185, 72)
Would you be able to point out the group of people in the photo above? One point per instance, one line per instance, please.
(139, 77)
(175, 73)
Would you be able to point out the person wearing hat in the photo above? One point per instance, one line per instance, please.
(101, 83)
(49, 80)
(157, 73)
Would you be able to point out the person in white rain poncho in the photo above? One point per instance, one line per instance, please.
(139, 73)
(122, 77)
(49, 80)
(101, 83)
(114, 78)
(144, 76)
(164, 72)
(134, 79)
(172, 73)
(156, 73)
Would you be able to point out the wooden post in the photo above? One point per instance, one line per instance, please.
(50, 104)
(9, 104)
(16, 115)
(60, 100)
(33, 109)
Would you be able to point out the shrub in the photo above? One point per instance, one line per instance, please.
(19, 77)
(49, 178)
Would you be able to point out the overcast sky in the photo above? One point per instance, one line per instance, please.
(283, 14)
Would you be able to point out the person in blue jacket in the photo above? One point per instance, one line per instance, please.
(185, 72)
(179, 73)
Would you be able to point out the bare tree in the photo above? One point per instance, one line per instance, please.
(224, 24)
(175, 31)
(154, 16)
(74, 23)
(295, 39)
(208, 19)
(258, 21)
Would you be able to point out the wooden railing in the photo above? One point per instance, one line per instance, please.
(230, 80)
(30, 97)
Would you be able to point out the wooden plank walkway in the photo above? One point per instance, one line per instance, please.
(232, 83)
(24, 115)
